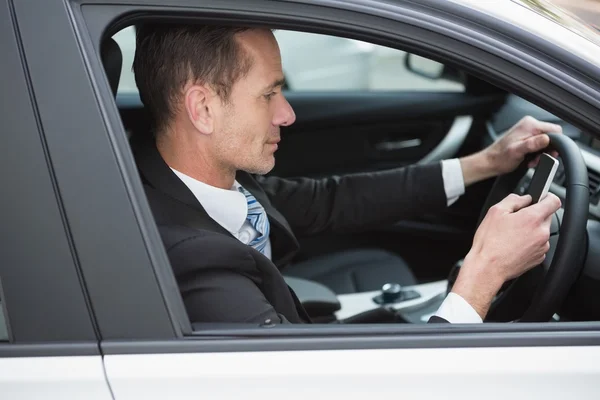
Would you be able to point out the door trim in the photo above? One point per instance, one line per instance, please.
(453, 140)
(377, 336)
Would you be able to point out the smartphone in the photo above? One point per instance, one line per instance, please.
(542, 178)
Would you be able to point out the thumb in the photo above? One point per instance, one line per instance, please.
(548, 206)
(513, 202)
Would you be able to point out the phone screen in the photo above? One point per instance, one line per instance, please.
(542, 178)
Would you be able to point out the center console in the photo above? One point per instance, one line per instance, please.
(393, 303)
(414, 304)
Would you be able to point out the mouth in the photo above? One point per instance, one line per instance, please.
(274, 143)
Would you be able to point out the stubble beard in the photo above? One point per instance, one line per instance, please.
(260, 169)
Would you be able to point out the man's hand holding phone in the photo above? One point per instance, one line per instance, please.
(512, 238)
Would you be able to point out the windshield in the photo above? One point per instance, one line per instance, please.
(556, 13)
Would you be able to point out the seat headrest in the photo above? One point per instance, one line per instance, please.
(112, 59)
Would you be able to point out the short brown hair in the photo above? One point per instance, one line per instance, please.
(168, 56)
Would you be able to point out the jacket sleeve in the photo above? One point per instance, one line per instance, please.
(357, 201)
(213, 295)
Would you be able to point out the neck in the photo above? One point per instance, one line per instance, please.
(190, 157)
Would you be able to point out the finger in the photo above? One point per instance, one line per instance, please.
(540, 260)
(547, 222)
(513, 202)
(547, 206)
(535, 144)
(547, 127)
(532, 144)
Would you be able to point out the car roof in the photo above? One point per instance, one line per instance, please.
(546, 21)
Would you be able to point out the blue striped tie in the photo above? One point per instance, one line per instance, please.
(257, 216)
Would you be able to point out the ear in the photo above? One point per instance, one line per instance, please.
(199, 108)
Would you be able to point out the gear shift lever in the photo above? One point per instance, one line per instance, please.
(390, 292)
(394, 293)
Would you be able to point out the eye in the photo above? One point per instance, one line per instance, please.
(268, 96)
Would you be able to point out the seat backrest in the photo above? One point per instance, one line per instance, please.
(112, 59)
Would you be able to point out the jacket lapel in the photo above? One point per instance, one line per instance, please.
(157, 174)
(161, 178)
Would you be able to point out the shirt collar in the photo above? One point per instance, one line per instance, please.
(228, 207)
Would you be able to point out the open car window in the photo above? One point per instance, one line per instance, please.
(393, 109)
(315, 62)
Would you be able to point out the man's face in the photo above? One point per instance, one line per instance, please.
(247, 128)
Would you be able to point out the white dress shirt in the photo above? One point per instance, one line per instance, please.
(455, 309)
(229, 209)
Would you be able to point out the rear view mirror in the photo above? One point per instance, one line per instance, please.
(430, 69)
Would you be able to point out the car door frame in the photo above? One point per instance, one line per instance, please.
(53, 347)
(43, 298)
(144, 312)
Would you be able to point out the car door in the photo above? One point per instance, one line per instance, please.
(356, 374)
(48, 344)
(150, 348)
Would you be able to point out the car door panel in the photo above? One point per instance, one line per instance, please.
(338, 374)
(343, 132)
(64, 378)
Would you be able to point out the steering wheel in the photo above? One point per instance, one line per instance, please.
(537, 295)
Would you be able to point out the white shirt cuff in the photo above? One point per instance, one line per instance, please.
(454, 184)
(456, 310)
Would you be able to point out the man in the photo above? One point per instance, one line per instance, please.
(215, 97)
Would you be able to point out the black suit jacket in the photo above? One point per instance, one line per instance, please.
(223, 280)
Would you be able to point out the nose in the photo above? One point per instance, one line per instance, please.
(284, 115)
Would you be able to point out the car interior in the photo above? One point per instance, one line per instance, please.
(358, 130)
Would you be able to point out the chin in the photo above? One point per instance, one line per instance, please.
(262, 168)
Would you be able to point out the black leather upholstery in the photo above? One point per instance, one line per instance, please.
(354, 271)
(112, 59)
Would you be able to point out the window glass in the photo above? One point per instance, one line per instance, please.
(321, 62)
(313, 62)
